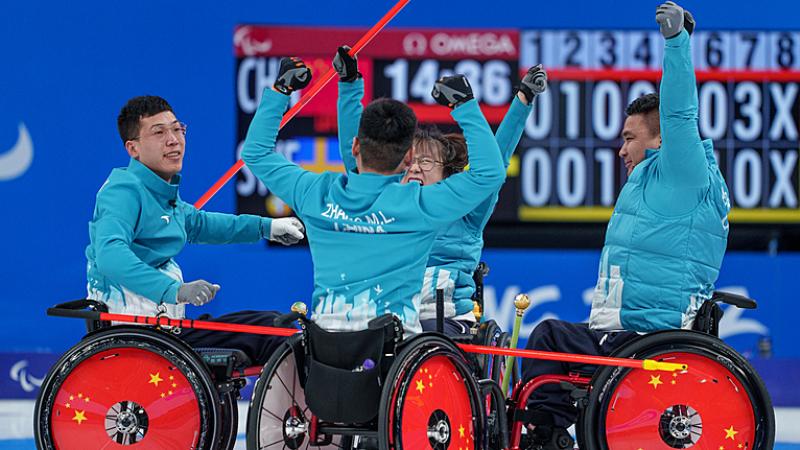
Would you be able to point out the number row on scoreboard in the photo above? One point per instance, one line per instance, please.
(573, 176)
(726, 50)
(744, 111)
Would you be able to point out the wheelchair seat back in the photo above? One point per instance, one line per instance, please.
(344, 370)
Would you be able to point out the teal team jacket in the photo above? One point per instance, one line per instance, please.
(457, 248)
(668, 232)
(370, 235)
(139, 225)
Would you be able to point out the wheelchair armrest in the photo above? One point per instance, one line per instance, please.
(734, 299)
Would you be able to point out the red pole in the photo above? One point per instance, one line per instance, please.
(199, 324)
(276, 331)
(307, 96)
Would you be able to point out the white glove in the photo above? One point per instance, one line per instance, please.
(286, 230)
(198, 292)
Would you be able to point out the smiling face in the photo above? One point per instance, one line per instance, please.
(427, 166)
(160, 144)
(637, 136)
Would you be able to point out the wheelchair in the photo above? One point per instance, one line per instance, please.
(421, 392)
(718, 402)
(128, 385)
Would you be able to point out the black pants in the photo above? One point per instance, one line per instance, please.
(451, 327)
(550, 402)
(257, 347)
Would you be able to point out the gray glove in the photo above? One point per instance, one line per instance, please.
(286, 230)
(533, 83)
(670, 19)
(688, 21)
(198, 292)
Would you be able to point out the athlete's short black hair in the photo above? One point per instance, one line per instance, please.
(136, 109)
(647, 106)
(385, 134)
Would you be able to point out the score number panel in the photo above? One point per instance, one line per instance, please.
(748, 100)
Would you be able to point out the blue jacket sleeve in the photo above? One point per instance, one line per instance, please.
(284, 178)
(117, 213)
(348, 116)
(203, 227)
(683, 168)
(510, 130)
(457, 195)
(508, 135)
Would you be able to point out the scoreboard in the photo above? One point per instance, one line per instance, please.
(566, 166)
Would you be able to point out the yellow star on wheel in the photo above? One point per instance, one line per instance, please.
(420, 386)
(80, 416)
(155, 379)
(68, 405)
(730, 433)
(655, 381)
(461, 431)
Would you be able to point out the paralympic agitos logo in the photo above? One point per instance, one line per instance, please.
(14, 162)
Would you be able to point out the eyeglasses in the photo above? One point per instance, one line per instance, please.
(162, 132)
(425, 164)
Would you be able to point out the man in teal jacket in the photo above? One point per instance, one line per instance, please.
(370, 235)
(666, 237)
(457, 248)
(140, 224)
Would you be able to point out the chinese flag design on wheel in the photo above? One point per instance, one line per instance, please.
(122, 397)
(437, 412)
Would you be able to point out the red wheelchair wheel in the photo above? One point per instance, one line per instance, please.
(127, 386)
(719, 402)
(431, 399)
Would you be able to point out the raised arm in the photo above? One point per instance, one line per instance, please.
(348, 104)
(683, 160)
(116, 213)
(456, 196)
(510, 130)
(282, 177)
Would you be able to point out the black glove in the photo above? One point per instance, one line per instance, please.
(345, 65)
(452, 91)
(533, 83)
(292, 75)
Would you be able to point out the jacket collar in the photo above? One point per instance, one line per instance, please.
(163, 191)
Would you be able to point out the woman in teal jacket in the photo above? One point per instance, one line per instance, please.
(457, 248)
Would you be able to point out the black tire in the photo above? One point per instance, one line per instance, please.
(414, 354)
(709, 352)
(127, 338)
(230, 421)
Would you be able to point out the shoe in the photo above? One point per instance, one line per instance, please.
(545, 437)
